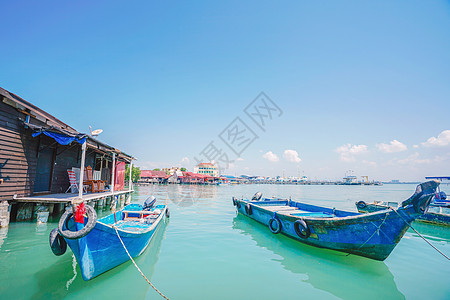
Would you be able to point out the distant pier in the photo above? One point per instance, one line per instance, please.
(377, 183)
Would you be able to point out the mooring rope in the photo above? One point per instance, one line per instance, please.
(376, 230)
(410, 226)
(74, 267)
(162, 295)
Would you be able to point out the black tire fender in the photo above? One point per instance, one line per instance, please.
(57, 243)
(361, 204)
(238, 204)
(234, 201)
(278, 228)
(248, 209)
(302, 229)
(72, 235)
(167, 213)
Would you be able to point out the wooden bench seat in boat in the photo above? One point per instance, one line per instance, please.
(129, 215)
(312, 214)
(294, 211)
(277, 207)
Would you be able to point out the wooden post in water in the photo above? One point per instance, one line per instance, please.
(83, 159)
(4, 213)
(130, 181)
(101, 165)
(113, 179)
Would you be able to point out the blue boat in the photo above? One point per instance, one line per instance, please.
(438, 212)
(96, 243)
(373, 235)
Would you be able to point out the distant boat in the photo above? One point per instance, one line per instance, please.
(372, 235)
(96, 244)
(437, 213)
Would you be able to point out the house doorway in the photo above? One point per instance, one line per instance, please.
(44, 170)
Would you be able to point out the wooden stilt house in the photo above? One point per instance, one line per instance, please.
(37, 149)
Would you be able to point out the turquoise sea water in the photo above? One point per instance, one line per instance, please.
(206, 251)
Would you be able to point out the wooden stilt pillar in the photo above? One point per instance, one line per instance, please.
(5, 211)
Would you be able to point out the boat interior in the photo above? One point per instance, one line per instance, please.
(133, 217)
(390, 204)
(297, 209)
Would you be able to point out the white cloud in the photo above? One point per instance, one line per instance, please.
(185, 160)
(415, 146)
(443, 139)
(291, 156)
(348, 151)
(414, 159)
(393, 146)
(239, 159)
(270, 156)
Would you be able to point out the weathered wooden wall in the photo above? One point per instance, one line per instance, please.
(17, 161)
(19, 155)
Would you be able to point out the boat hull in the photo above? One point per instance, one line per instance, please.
(101, 250)
(370, 235)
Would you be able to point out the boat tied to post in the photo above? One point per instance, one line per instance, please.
(100, 245)
(373, 235)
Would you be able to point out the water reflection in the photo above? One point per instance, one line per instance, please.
(3, 235)
(433, 232)
(60, 279)
(189, 195)
(179, 195)
(346, 277)
(41, 227)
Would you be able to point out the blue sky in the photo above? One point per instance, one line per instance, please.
(163, 79)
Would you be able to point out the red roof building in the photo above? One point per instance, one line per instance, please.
(149, 174)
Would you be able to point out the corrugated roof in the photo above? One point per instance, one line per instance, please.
(53, 122)
(25, 105)
(146, 173)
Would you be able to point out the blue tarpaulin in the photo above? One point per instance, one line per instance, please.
(61, 138)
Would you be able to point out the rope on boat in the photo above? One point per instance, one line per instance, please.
(410, 226)
(162, 295)
(74, 266)
(376, 230)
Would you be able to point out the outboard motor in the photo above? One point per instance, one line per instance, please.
(257, 196)
(149, 202)
(440, 199)
(421, 199)
(442, 196)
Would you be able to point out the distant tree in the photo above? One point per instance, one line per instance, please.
(183, 169)
(135, 174)
(156, 169)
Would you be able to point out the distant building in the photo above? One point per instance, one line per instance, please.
(233, 179)
(171, 171)
(206, 169)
